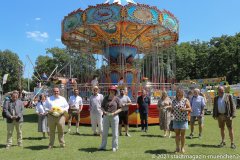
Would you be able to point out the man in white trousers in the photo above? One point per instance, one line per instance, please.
(96, 112)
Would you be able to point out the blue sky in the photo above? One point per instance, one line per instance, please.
(28, 27)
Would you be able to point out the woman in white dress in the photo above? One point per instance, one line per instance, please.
(42, 116)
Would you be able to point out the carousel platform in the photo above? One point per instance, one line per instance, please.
(133, 116)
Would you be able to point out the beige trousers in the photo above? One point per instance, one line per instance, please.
(10, 128)
(58, 122)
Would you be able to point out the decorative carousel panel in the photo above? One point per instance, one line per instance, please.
(169, 21)
(156, 31)
(71, 22)
(124, 51)
(142, 15)
(109, 27)
(103, 14)
(133, 28)
(86, 32)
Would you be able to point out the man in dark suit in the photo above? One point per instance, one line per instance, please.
(143, 102)
(13, 110)
(224, 110)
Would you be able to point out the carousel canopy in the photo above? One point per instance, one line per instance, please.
(98, 28)
(120, 1)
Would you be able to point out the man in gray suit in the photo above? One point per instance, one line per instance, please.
(13, 110)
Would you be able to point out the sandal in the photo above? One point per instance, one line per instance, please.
(183, 150)
(177, 150)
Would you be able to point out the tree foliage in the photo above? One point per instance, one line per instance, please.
(216, 58)
(69, 63)
(12, 65)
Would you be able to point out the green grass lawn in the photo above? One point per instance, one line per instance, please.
(151, 145)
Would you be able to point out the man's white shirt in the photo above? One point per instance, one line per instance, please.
(75, 102)
(59, 101)
(95, 103)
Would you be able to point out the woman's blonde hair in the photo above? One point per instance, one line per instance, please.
(164, 92)
(179, 89)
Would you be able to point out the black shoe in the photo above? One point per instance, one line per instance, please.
(101, 149)
(222, 144)
(233, 146)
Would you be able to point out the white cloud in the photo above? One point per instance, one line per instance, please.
(37, 19)
(38, 36)
(58, 40)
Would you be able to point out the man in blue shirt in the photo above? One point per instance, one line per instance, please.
(143, 102)
(197, 104)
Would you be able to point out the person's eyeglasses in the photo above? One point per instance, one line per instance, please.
(55, 91)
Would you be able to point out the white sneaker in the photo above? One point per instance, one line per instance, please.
(114, 149)
(77, 131)
(170, 135)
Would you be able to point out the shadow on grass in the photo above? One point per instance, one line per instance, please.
(41, 147)
(204, 145)
(187, 137)
(2, 146)
(135, 131)
(92, 135)
(151, 135)
(32, 118)
(33, 138)
(159, 151)
(88, 149)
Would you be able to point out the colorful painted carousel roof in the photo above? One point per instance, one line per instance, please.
(120, 1)
(98, 27)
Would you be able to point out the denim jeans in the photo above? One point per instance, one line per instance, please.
(144, 121)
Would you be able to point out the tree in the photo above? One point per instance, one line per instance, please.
(80, 65)
(12, 65)
(185, 61)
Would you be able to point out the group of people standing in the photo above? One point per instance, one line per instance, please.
(174, 115)
(104, 112)
(112, 110)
